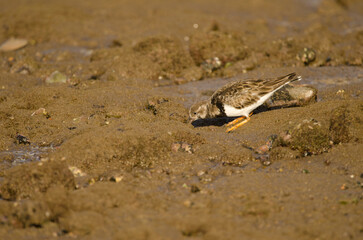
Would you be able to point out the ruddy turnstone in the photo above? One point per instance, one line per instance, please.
(239, 99)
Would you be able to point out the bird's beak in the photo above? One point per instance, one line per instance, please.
(190, 119)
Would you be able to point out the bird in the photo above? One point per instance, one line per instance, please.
(239, 99)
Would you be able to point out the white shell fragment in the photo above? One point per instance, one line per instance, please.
(13, 44)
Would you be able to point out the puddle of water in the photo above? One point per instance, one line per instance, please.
(23, 155)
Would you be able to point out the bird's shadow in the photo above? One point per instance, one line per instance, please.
(224, 120)
(211, 122)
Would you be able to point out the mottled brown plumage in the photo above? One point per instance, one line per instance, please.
(243, 93)
(239, 98)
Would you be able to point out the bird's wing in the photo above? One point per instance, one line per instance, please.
(243, 93)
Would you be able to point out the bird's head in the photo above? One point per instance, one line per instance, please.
(198, 111)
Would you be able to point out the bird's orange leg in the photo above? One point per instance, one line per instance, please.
(238, 125)
(237, 120)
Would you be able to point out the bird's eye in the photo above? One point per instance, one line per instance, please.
(195, 113)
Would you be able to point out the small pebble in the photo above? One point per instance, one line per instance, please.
(91, 181)
(307, 55)
(262, 149)
(76, 171)
(188, 203)
(182, 146)
(340, 91)
(194, 189)
(22, 139)
(266, 162)
(116, 178)
(211, 64)
(187, 148)
(175, 147)
(56, 77)
(41, 111)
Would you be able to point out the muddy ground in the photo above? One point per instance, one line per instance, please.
(108, 152)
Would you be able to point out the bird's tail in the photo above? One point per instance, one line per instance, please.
(292, 77)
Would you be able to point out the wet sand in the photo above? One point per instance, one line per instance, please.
(108, 152)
